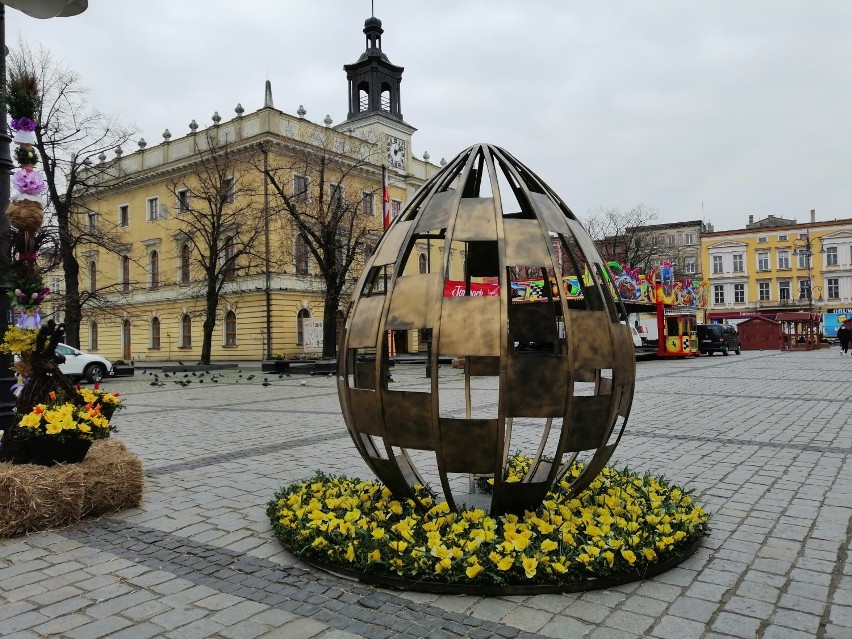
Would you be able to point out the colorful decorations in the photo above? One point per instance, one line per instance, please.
(624, 524)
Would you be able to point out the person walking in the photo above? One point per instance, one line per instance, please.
(844, 335)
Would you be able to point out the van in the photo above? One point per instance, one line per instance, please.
(718, 338)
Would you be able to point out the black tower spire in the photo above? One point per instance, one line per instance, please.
(373, 80)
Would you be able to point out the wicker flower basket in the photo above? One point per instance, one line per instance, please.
(26, 215)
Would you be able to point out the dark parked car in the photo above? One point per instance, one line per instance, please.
(718, 338)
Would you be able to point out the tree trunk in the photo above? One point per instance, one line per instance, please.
(73, 306)
(209, 324)
(329, 325)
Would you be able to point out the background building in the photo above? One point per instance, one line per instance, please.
(770, 267)
(147, 291)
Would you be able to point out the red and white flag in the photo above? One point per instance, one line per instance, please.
(386, 207)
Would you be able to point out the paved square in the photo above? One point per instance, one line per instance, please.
(763, 438)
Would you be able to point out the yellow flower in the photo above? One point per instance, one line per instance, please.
(473, 570)
(629, 556)
(374, 556)
(649, 553)
(609, 556)
(350, 553)
(530, 564)
(559, 567)
(548, 544)
(378, 533)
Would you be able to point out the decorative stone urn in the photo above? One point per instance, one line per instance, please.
(514, 285)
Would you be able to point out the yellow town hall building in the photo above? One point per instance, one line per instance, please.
(150, 296)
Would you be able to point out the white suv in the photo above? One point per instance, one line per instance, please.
(79, 364)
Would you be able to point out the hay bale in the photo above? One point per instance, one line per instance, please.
(37, 497)
(113, 478)
(40, 497)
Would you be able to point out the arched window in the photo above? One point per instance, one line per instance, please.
(421, 263)
(93, 336)
(230, 269)
(304, 314)
(185, 256)
(155, 269)
(93, 276)
(155, 332)
(230, 328)
(301, 255)
(185, 331)
(125, 273)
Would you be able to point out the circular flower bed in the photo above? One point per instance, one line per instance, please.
(625, 526)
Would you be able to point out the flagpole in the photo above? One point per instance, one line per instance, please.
(386, 223)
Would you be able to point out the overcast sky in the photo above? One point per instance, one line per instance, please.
(713, 110)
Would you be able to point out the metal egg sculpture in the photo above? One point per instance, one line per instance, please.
(519, 293)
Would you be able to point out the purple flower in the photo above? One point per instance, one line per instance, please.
(28, 182)
(23, 124)
(31, 319)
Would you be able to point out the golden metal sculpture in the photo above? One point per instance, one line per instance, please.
(563, 366)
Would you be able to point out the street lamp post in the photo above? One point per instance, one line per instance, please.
(803, 247)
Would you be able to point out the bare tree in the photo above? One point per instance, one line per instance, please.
(221, 221)
(333, 217)
(70, 137)
(623, 236)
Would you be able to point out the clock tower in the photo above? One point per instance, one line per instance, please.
(374, 101)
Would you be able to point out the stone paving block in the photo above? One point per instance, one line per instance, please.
(749, 607)
(841, 616)
(671, 627)
(177, 617)
(528, 618)
(60, 625)
(100, 628)
(629, 621)
(146, 610)
(65, 606)
(565, 627)
(200, 629)
(119, 604)
(139, 631)
(238, 612)
(584, 610)
(781, 632)
(22, 621)
(299, 628)
(691, 608)
(736, 625)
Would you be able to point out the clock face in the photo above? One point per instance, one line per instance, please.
(396, 152)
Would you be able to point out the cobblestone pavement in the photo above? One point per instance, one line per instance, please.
(764, 438)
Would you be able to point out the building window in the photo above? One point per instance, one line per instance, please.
(804, 258)
(831, 256)
(763, 291)
(784, 259)
(832, 285)
(784, 290)
(92, 222)
(93, 276)
(183, 201)
(718, 294)
(739, 293)
(301, 255)
(738, 263)
(763, 261)
(782, 238)
(229, 190)
(155, 332)
(185, 331)
(335, 197)
(93, 336)
(185, 256)
(154, 264)
(804, 289)
(367, 205)
(422, 263)
(396, 207)
(304, 314)
(230, 328)
(688, 239)
(689, 267)
(717, 264)
(672, 240)
(654, 241)
(300, 188)
(124, 215)
(762, 239)
(153, 209)
(125, 273)
(230, 269)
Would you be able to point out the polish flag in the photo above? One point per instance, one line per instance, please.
(386, 208)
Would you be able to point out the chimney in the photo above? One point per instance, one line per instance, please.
(751, 219)
(813, 215)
